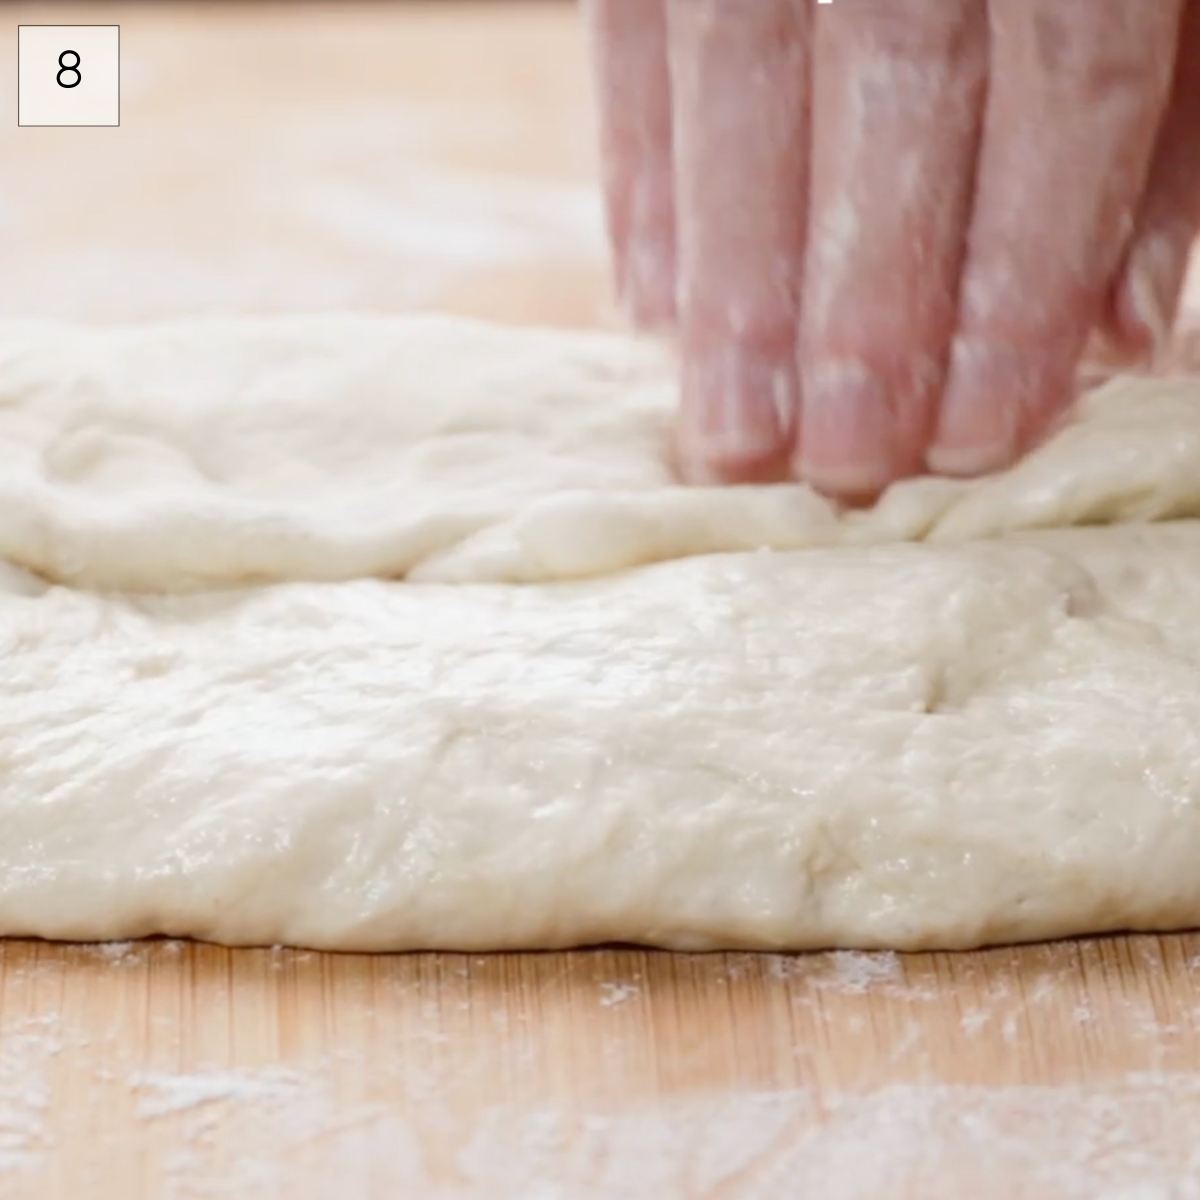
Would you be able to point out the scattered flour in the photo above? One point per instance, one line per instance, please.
(275, 1137)
(855, 973)
(129, 954)
(116, 952)
(162, 1094)
(849, 973)
(613, 994)
(24, 1095)
(975, 1020)
(308, 1131)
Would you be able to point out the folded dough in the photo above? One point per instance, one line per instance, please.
(267, 678)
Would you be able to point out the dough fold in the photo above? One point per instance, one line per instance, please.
(216, 453)
(267, 678)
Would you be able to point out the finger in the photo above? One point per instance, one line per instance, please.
(899, 90)
(1076, 94)
(1145, 300)
(738, 73)
(629, 49)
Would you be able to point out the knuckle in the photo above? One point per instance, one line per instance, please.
(1095, 49)
(912, 30)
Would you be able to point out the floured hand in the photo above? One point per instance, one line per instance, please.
(885, 229)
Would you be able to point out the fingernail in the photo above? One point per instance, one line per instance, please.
(1147, 300)
(987, 389)
(1148, 307)
(738, 416)
(848, 442)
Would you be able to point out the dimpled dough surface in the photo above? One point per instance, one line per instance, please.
(382, 634)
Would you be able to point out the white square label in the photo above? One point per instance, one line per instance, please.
(68, 75)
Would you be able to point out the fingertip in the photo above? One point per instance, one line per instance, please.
(737, 418)
(978, 429)
(1145, 299)
(1143, 307)
(859, 435)
(1001, 401)
(739, 89)
(968, 462)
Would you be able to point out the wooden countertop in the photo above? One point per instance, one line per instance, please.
(306, 157)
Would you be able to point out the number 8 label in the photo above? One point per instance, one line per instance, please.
(49, 95)
(69, 69)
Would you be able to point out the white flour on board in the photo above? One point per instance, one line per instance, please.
(276, 1133)
(24, 1095)
(287, 1130)
(614, 994)
(161, 1093)
(849, 971)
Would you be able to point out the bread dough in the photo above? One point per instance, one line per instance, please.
(223, 453)
(267, 677)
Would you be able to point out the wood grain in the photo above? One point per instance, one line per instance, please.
(164, 1069)
(278, 158)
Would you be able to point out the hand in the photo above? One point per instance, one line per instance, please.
(885, 229)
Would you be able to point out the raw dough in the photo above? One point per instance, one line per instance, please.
(859, 744)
